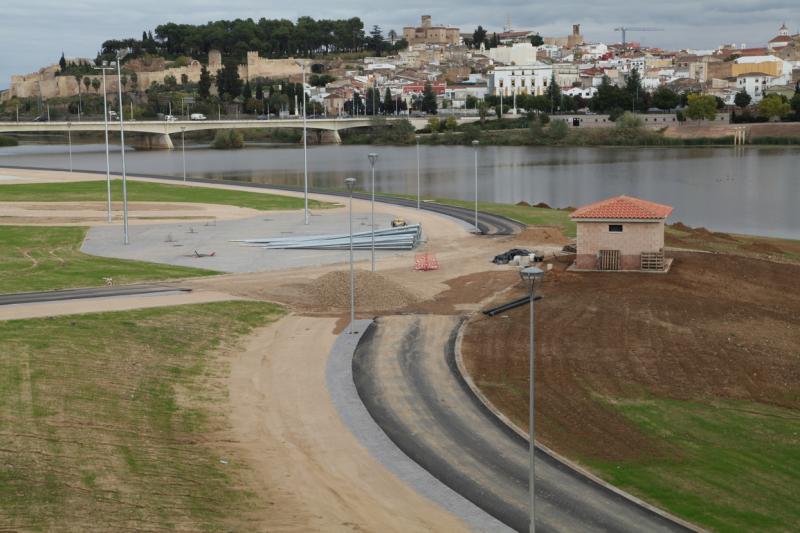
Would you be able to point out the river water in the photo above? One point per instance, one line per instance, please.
(755, 190)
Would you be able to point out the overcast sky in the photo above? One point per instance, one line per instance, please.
(34, 32)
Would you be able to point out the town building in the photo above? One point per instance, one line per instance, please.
(621, 233)
(516, 54)
(782, 39)
(569, 41)
(520, 79)
(427, 33)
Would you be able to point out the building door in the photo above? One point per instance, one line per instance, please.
(609, 259)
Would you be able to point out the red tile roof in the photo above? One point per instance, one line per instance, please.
(623, 207)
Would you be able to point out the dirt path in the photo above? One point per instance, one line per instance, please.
(94, 213)
(315, 474)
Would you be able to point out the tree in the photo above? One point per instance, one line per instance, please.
(376, 40)
(96, 84)
(795, 103)
(62, 63)
(701, 106)
(633, 86)
(558, 130)
(134, 79)
(228, 82)
(124, 80)
(87, 82)
(494, 42)
(184, 79)
(774, 106)
(388, 102)
(204, 85)
(665, 98)
(247, 92)
(429, 100)
(478, 37)
(536, 40)
(553, 93)
(170, 82)
(259, 90)
(742, 99)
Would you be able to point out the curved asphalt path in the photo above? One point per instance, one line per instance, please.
(488, 224)
(405, 373)
(93, 292)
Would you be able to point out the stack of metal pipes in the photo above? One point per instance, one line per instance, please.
(400, 238)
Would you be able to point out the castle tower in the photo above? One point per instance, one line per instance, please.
(426, 21)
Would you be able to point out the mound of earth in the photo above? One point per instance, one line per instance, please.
(680, 226)
(523, 204)
(542, 205)
(373, 291)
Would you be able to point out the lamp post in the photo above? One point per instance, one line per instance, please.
(69, 143)
(122, 154)
(418, 188)
(105, 121)
(475, 149)
(183, 150)
(529, 276)
(351, 183)
(373, 157)
(302, 63)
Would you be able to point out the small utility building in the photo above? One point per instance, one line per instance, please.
(621, 233)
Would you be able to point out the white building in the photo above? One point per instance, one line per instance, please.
(754, 84)
(584, 92)
(520, 79)
(516, 54)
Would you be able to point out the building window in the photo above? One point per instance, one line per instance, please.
(615, 228)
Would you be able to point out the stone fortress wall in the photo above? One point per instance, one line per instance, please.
(46, 84)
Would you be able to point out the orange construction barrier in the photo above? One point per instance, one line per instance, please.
(425, 262)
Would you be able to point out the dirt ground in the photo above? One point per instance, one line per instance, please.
(313, 472)
(716, 326)
(94, 213)
(681, 236)
(721, 130)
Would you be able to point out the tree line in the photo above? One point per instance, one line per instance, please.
(272, 38)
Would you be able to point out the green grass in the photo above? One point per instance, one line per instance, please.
(112, 421)
(737, 466)
(139, 191)
(37, 258)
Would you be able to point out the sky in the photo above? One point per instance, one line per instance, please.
(33, 33)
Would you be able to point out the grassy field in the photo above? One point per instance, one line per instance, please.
(45, 258)
(138, 191)
(736, 466)
(111, 421)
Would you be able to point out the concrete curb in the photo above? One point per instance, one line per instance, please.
(342, 390)
(553, 454)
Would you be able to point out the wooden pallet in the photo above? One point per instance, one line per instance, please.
(609, 259)
(652, 261)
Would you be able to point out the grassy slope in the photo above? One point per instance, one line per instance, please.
(106, 418)
(84, 191)
(738, 466)
(43, 258)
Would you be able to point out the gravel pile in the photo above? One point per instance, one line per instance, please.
(373, 291)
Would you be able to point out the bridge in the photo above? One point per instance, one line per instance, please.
(157, 132)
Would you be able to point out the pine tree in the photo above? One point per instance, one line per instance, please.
(204, 85)
(429, 100)
(247, 93)
(388, 103)
(62, 63)
(553, 93)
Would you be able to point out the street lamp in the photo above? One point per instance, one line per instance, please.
(105, 121)
(302, 63)
(122, 153)
(183, 150)
(351, 183)
(372, 158)
(475, 149)
(418, 197)
(69, 143)
(529, 276)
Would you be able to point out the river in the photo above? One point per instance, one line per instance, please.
(755, 190)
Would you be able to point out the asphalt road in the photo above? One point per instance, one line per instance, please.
(76, 294)
(488, 224)
(405, 373)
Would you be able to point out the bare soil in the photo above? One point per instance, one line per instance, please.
(716, 327)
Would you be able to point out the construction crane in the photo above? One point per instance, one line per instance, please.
(625, 31)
